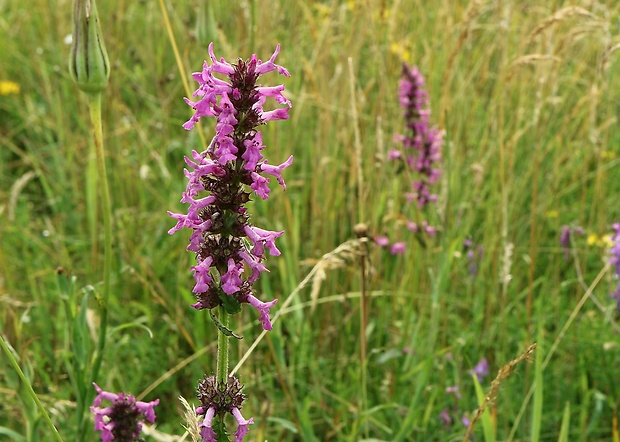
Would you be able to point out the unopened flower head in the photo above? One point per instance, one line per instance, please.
(217, 400)
(122, 420)
(229, 250)
(89, 65)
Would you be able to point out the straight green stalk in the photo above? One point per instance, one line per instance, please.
(94, 102)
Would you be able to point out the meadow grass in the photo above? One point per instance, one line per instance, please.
(528, 95)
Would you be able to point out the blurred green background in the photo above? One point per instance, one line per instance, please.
(528, 94)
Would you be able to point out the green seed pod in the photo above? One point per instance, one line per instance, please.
(88, 63)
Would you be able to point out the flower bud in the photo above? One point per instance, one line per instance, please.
(88, 63)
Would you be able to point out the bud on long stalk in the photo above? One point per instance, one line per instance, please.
(88, 64)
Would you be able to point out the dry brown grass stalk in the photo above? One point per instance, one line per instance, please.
(531, 59)
(561, 15)
(607, 56)
(491, 396)
(191, 420)
(338, 258)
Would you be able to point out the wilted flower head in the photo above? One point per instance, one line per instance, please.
(229, 250)
(122, 420)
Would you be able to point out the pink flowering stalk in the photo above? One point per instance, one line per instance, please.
(421, 142)
(229, 250)
(420, 146)
(615, 261)
(122, 420)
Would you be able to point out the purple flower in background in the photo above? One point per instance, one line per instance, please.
(229, 250)
(382, 241)
(122, 420)
(465, 420)
(474, 256)
(445, 418)
(421, 142)
(454, 391)
(481, 370)
(420, 146)
(398, 248)
(566, 233)
(615, 260)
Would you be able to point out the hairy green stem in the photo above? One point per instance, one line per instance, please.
(221, 374)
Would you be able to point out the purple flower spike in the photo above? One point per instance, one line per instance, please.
(421, 144)
(121, 421)
(229, 250)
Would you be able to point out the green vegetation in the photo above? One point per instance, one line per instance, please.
(528, 94)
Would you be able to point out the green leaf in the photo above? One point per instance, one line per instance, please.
(12, 434)
(230, 304)
(132, 325)
(537, 410)
(487, 424)
(564, 429)
(227, 332)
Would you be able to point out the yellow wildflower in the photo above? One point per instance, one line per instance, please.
(9, 87)
(608, 155)
(607, 241)
(592, 239)
(400, 51)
